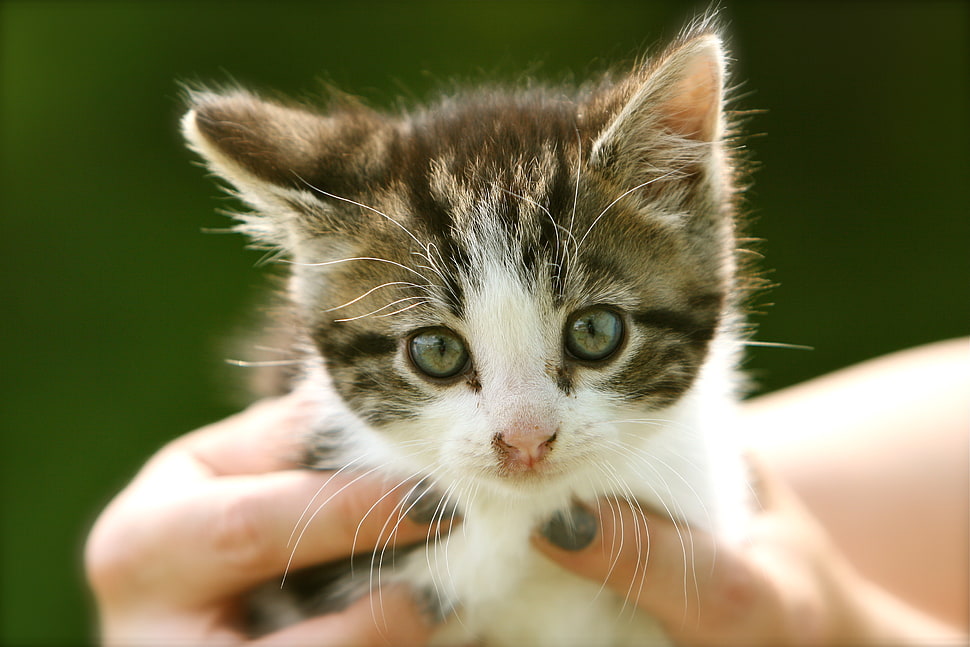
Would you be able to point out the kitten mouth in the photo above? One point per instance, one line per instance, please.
(521, 472)
(514, 472)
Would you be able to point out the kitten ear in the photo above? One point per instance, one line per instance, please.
(678, 99)
(283, 161)
(251, 142)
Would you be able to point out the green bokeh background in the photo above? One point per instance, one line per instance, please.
(115, 305)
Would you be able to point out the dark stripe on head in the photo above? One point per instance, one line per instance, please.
(658, 376)
(458, 265)
(380, 396)
(339, 351)
(699, 329)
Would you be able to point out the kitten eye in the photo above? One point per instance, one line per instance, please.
(438, 353)
(594, 334)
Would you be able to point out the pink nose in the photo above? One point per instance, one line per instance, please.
(522, 448)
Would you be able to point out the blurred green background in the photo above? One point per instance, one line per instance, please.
(116, 305)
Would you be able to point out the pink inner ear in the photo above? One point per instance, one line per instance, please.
(694, 107)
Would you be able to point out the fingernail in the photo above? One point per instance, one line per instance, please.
(423, 504)
(573, 529)
(435, 608)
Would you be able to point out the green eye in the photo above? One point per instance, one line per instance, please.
(594, 334)
(438, 352)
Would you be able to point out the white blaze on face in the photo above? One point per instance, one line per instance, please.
(513, 338)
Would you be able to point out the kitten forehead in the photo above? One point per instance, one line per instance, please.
(508, 327)
(529, 177)
(518, 191)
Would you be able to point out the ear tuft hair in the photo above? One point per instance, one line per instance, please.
(250, 140)
(675, 100)
(285, 161)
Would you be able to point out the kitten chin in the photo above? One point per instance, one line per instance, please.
(507, 303)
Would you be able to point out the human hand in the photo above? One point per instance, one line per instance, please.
(209, 517)
(786, 585)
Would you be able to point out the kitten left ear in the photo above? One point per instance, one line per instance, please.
(283, 160)
(680, 96)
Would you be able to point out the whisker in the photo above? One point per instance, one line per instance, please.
(446, 545)
(299, 537)
(423, 246)
(616, 541)
(623, 195)
(358, 258)
(651, 461)
(353, 545)
(622, 450)
(319, 490)
(377, 557)
(638, 515)
(423, 300)
(373, 289)
(776, 344)
(413, 305)
(262, 363)
(362, 206)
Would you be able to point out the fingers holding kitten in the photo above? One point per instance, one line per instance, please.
(259, 527)
(700, 591)
(390, 615)
(208, 517)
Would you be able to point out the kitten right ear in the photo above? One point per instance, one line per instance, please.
(282, 160)
(676, 103)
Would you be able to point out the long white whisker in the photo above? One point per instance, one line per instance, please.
(358, 258)
(319, 490)
(374, 289)
(623, 195)
(432, 265)
(777, 344)
(363, 206)
(353, 545)
(299, 537)
(616, 542)
(638, 515)
(425, 247)
(377, 556)
(623, 451)
(423, 300)
(446, 544)
(651, 461)
(404, 309)
(262, 363)
(614, 554)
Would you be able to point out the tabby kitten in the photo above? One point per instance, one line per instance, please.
(526, 300)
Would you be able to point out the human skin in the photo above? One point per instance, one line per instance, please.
(211, 514)
(890, 437)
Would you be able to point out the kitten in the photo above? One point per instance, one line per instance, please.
(525, 299)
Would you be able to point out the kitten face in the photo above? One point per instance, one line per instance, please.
(493, 282)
